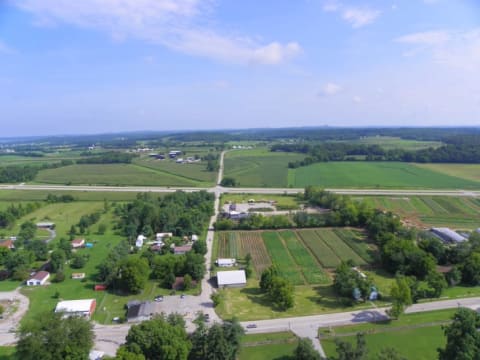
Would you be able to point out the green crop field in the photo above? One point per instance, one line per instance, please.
(362, 174)
(111, 174)
(356, 240)
(464, 171)
(322, 251)
(426, 211)
(389, 143)
(342, 250)
(259, 167)
(281, 258)
(311, 269)
(8, 196)
(193, 171)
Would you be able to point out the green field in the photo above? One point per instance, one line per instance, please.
(7, 196)
(464, 171)
(389, 143)
(347, 174)
(272, 346)
(112, 174)
(259, 167)
(426, 211)
(7, 352)
(425, 328)
(324, 254)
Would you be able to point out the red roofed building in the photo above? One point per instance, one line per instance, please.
(7, 244)
(180, 250)
(40, 278)
(78, 243)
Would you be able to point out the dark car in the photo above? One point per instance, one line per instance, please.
(251, 326)
(182, 296)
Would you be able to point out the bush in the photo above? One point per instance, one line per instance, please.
(59, 277)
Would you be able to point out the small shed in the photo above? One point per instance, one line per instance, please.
(226, 262)
(78, 276)
(40, 278)
(140, 239)
(45, 225)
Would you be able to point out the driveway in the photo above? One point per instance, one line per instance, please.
(9, 324)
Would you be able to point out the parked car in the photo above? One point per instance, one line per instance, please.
(182, 296)
(159, 298)
(251, 326)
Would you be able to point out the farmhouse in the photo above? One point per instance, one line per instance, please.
(139, 241)
(45, 225)
(78, 243)
(174, 153)
(448, 235)
(140, 310)
(40, 278)
(180, 250)
(81, 308)
(226, 262)
(8, 244)
(229, 279)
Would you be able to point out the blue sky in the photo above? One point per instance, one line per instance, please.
(117, 65)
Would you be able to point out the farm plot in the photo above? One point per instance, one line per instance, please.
(229, 245)
(280, 257)
(322, 252)
(357, 242)
(252, 243)
(343, 251)
(312, 271)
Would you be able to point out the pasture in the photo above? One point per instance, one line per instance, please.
(464, 171)
(390, 142)
(360, 174)
(111, 174)
(428, 211)
(259, 167)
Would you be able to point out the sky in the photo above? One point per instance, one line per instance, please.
(90, 66)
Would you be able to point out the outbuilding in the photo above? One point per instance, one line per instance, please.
(45, 225)
(226, 262)
(82, 308)
(448, 235)
(140, 240)
(78, 243)
(180, 250)
(39, 278)
(164, 235)
(231, 279)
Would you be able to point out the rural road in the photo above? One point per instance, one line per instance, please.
(224, 190)
(9, 324)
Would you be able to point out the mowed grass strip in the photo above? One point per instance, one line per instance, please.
(364, 174)
(343, 251)
(252, 243)
(357, 242)
(281, 258)
(322, 252)
(311, 269)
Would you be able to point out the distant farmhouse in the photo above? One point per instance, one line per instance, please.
(174, 153)
(45, 225)
(83, 308)
(39, 278)
(448, 235)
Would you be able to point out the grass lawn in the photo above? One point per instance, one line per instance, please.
(425, 328)
(7, 352)
(375, 175)
(259, 167)
(8, 196)
(111, 174)
(272, 346)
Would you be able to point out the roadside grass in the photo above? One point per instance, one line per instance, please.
(418, 343)
(361, 174)
(427, 211)
(111, 174)
(9, 285)
(259, 167)
(9, 196)
(7, 353)
(271, 346)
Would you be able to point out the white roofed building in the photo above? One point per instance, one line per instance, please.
(81, 308)
(226, 262)
(140, 240)
(234, 278)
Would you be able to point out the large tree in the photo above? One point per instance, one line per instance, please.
(347, 351)
(401, 297)
(132, 275)
(305, 350)
(158, 339)
(51, 337)
(463, 338)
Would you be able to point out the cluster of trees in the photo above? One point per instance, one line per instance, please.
(164, 337)
(279, 290)
(166, 268)
(14, 212)
(228, 182)
(212, 161)
(88, 220)
(111, 157)
(349, 284)
(255, 222)
(24, 173)
(179, 213)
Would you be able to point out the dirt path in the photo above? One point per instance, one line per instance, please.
(9, 324)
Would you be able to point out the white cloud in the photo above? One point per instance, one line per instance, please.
(330, 89)
(458, 49)
(360, 17)
(357, 99)
(176, 24)
(357, 17)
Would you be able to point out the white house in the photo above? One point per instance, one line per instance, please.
(226, 262)
(82, 308)
(140, 240)
(78, 243)
(234, 278)
(161, 236)
(40, 278)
